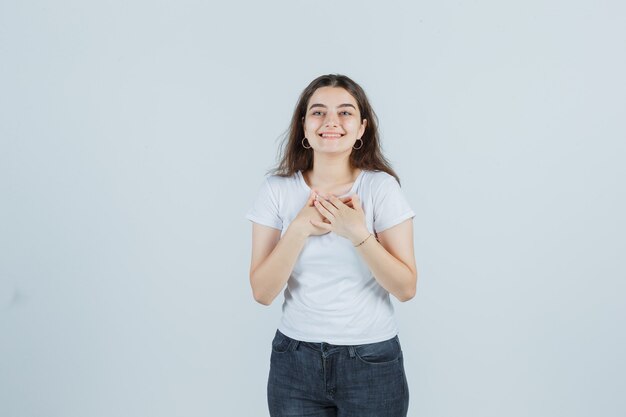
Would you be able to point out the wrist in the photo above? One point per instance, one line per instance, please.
(360, 237)
(296, 230)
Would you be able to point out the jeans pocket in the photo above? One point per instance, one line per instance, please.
(281, 343)
(388, 351)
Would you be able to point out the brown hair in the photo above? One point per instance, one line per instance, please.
(294, 157)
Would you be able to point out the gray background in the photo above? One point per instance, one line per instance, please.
(135, 134)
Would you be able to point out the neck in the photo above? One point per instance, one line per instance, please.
(327, 172)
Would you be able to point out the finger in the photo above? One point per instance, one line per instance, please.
(322, 225)
(356, 202)
(338, 202)
(333, 208)
(333, 201)
(346, 200)
(321, 207)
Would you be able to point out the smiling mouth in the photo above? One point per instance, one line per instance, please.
(331, 135)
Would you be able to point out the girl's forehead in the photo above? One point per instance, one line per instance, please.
(332, 94)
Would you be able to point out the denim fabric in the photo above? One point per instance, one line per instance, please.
(319, 379)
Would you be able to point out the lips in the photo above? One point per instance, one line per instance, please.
(331, 135)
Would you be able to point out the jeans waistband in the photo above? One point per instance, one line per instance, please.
(323, 347)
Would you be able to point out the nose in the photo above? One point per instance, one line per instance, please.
(331, 119)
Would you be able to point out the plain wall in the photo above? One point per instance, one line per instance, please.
(135, 134)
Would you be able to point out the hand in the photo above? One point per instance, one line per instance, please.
(308, 214)
(347, 220)
(302, 221)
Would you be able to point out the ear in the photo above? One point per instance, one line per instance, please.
(362, 128)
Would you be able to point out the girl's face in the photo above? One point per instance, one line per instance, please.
(332, 122)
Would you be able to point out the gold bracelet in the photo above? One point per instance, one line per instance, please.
(370, 235)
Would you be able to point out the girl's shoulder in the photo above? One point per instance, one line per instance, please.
(278, 183)
(374, 179)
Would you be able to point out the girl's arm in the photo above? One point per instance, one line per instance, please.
(273, 260)
(392, 261)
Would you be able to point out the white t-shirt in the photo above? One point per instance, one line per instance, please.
(331, 295)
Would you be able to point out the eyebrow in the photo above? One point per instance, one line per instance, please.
(341, 105)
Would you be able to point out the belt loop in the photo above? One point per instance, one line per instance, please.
(351, 351)
(293, 345)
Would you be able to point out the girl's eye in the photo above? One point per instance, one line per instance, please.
(319, 113)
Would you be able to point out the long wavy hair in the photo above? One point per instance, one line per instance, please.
(294, 157)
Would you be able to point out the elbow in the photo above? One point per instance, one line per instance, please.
(261, 299)
(407, 295)
(259, 296)
(410, 291)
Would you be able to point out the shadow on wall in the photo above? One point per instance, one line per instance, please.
(10, 295)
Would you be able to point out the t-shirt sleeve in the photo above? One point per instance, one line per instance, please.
(390, 205)
(264, 209)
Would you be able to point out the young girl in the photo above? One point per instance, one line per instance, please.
(333, 225)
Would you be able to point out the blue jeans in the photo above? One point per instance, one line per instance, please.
(319, 379)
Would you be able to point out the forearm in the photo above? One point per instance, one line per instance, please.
(269, 278)
(393, 275)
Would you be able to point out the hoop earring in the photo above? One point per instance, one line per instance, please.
(359, 146)
(305, 146)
